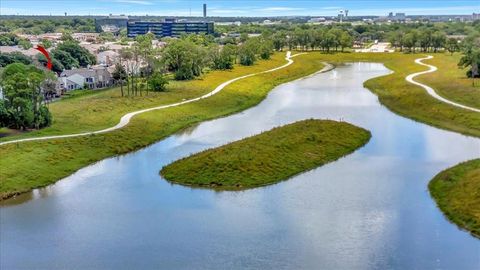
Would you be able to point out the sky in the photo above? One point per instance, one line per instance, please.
(234, 8)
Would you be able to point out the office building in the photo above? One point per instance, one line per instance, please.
(168, 28)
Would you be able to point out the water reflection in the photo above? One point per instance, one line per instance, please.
(369, 210)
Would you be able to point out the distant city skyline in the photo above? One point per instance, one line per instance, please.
(246, 8)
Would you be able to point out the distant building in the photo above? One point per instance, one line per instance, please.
(85, 37)
(237, 23)
(317, 20)
(108, 58)
(168, 28)
(10, 49)
(111, 23)
(400, 16)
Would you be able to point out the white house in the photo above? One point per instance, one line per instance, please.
(90, 78)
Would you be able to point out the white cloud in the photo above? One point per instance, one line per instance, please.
(279, 9)
(450, 10)
(136, 2)
(331, 8)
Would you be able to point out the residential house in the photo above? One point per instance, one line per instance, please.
(107, 58)
(10, 49)
(90, 78)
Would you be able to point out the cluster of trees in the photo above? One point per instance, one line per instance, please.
(143, 67)
(22, 105)
(325, 39)
(471, 57)
(10, 39)
(363, 32)
(39, 25)
(15, 57)
(426, 39)
(68, 54)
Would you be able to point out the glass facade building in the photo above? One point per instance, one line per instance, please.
(168, 28)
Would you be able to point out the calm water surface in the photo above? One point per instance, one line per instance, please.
(369, 210)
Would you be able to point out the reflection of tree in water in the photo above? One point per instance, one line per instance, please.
(188, 130)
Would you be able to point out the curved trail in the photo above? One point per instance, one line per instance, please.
(430, 90)
(127, 117)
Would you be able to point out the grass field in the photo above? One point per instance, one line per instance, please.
(269, 157)
(451, 81)
(457, 192)
(35, 164)
(95, 110)
(30, 165)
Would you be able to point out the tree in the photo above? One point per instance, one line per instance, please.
(80, 54)
(14, 57)
(279, 40)
(471, 56)
(184, 58)
(119, 75)
(346, 40)
(25, 44)
(438, 40)
(425, 39)
(46, 43)
(9, 39)
(396, 39)
(247, 52)
(335, 35)
(452, 45)
(265, 49)
(232, 50)
(146, 52)
(64, 58)
(471, 59)
(328, 41)
(158, 82)
(4, 117)
(410, 40)
(126, 57)
(221, 58)
(23, 97)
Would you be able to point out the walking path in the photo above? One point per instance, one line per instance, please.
(126, 118)
(430, 90)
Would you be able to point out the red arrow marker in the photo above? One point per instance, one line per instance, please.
(45, 52)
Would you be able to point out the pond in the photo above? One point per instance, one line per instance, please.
(369, 210)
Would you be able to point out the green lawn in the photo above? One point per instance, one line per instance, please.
(451, 82)
(35, 164)
(269, 157)
(90, 110)
(457, 192)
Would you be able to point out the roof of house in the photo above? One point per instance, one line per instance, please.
(10, 49)
(87, 72)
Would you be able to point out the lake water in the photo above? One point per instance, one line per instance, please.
(369, 210)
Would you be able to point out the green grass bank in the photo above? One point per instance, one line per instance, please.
(457, 193)
(30, 165)
(269, 157)
(35, 164)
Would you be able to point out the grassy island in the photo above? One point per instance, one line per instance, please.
(457, 192)
(269, 157)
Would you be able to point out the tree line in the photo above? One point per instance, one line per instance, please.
(23, 89)
(143, 68)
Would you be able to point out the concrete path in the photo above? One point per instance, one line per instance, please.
(127, 117)
(430, 90)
